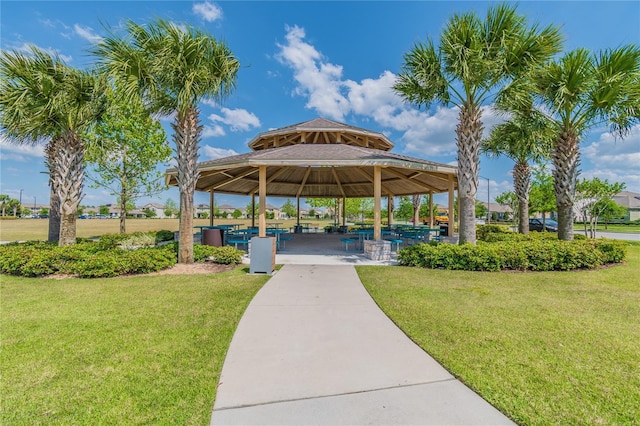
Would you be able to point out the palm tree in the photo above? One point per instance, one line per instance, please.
(474, 59)
(45, 101)
(524, 139)
(582, 90)
(173, 67)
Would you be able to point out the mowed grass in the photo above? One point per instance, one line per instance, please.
(37, 229)
(544, 348)
(130, 350)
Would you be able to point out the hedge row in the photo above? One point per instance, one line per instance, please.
(533, 254)
(103, 258)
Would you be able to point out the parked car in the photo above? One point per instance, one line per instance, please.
(550, 225)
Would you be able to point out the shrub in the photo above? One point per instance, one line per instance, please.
(164, 235)
(88, 260)
(534, 253)
(225, 255)
(483, 231)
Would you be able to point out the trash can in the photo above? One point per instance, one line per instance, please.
(212, 237)
(262, 256)
(297, 229)
(444, 230)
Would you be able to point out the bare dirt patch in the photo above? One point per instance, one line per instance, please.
(194, 268)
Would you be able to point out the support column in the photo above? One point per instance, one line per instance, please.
(253, 210)
(297, 212)
(452, 212)
(430, 209)
(377, 193)
(212, 208)
(262, 206)
(344, 211)
(390, 210)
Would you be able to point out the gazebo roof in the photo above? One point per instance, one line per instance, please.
(323, 171)
(320, 131)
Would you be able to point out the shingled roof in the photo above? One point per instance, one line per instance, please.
(328, 170)
(320, 131)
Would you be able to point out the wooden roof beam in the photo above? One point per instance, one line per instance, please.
(335, 175)
(304, 181)
(232, 179)
(413, 181)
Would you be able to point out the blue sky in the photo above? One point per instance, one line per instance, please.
(301, 60)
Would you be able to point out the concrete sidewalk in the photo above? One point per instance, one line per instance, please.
(314, 348)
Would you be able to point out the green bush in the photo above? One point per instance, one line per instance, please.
(482, 231)
(225, 255)
(531, 253)
(88, 259)
(164, 235)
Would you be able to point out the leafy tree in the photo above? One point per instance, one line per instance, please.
(236, 214)
(591, 200)
(405, 208)
(45, 101)
(578, 91)
(173, 67)
(103, 210)
(289, 209)
(149, 213)
(204, 215)
(475, 58)
(424, 207)
(526, 138)
(509, 199)
(541, 196)
(170, 208)
(481, 209)
(125, 149)
(610, 210)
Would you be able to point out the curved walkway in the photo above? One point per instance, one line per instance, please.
(314, 348)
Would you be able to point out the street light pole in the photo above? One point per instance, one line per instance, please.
(34, 205)
(488, 200)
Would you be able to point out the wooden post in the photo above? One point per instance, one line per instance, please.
(377, 193)
(262, 206)
(212, 208)
(430, 209)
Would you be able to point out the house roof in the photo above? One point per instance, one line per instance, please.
(630, 200)
(320, 131)
(322, 170)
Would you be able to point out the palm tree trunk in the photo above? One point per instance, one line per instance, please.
(522, 185)
(70, 176)
(566, 159)
(415, 200)
(124, 195)
(186, 135)
(54, 199)
(468, 137)
(54, 215)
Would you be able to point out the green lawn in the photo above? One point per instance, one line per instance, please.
(130, 350)
(545, 348)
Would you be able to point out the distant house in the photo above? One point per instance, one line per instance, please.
(156, 207)
(630, 201)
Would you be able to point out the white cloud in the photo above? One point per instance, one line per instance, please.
(210, 12)
(212, 153)
(23, 152)
(86, 33)
(615, 159)
(26, 48)
(317, 80)
(237, 119)
(427, 133)
(213, 132)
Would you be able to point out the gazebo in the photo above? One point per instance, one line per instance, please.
(323, 159)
